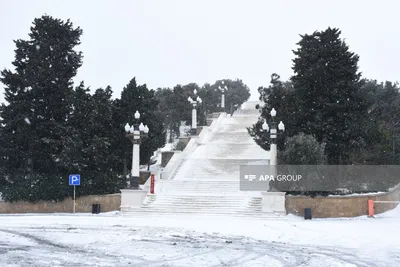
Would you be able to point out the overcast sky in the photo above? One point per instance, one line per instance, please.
(168, 42)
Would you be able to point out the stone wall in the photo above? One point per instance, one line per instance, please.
(165, 157)
(199, 129)
(341, 206)
(144, 175)
(182, 143)
(107, 203)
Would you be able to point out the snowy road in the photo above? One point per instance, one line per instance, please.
(117, 241)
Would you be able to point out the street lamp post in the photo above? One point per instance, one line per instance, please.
(136, 133)
(196, 100)
(223, 89)
(273, 134)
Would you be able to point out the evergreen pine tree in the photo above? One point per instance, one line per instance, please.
(327, 84)
(182, 109)
(166, 106)
(38, 93)
(237, 93)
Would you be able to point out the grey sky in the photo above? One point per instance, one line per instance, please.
(169, 42)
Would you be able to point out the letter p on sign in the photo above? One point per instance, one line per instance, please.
(74, 179)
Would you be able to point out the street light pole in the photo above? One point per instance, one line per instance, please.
(223, 89)
(273, 135)
(194, 102)
(136, 133)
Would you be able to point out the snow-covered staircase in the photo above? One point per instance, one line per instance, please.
(206, 180)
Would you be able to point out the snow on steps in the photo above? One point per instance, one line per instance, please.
(178, 159)
(214, 169)
(156, 214)
(230, 151)
(204, 178)
(208, 206)
(231, 138)
(202, 187)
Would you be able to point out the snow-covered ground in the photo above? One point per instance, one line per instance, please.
(115, 240)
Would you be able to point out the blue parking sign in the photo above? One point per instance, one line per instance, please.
(74, 179)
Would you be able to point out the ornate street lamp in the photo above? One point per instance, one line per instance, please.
(136, 133)
(273, 134)
(196, 100)
(223, 89)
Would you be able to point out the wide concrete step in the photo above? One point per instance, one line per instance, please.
(209, 214)
(187, 201)
(232, 127)
(173, 207)
(210, 198)
(184, 214)
(200, 184)
(226, 211)
(208, 193)
(224, 165)
(202, 187)
(214, 169)
(231, 138)
(197, 204)
(194, 191)
(226, 204)
(200, 204)
(230, 151)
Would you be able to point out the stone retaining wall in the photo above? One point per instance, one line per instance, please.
(341, 206)
(107, 203)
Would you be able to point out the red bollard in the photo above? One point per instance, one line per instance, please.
(371, 210)
(152, 181)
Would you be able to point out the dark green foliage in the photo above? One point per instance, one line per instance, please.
(330, 105)
(279, 95)
(94, 157)
(237, 94)
(34, 120)
(356, 120)
(176, 109)
(211, 98)
(49, 130)
(165, 98)
(302, 149)
(139, 97)
(382, 126)
(325, 98)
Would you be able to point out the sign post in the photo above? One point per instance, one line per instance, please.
(74, 180)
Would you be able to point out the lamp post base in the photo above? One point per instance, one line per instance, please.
(193, 131)
(134, 182)
(131, 200)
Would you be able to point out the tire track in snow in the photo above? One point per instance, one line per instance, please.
(68, 249)
(210, 245)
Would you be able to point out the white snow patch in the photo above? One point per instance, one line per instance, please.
(138, 240)
(395, 213)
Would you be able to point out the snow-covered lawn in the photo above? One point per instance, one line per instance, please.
(114, 240)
